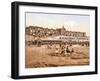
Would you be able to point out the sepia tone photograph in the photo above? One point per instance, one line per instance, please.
(52, 40)
(56, 39)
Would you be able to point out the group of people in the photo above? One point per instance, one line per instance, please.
(62, 49)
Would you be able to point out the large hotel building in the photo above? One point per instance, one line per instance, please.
(59, 35)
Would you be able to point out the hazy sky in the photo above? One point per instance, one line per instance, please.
(69, 21)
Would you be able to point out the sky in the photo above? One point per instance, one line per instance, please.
(71, 22)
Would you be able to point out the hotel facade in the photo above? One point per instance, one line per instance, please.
(55, 36)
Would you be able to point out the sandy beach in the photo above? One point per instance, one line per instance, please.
(36, 57)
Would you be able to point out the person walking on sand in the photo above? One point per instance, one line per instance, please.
(69, 49)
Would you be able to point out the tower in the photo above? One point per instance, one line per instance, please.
(63, 30)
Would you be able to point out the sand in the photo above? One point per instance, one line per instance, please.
(36, 57)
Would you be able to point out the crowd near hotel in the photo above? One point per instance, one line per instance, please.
(59, 34)
(60, 37)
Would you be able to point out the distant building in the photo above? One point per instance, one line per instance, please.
(64, 35)
(40, 31)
